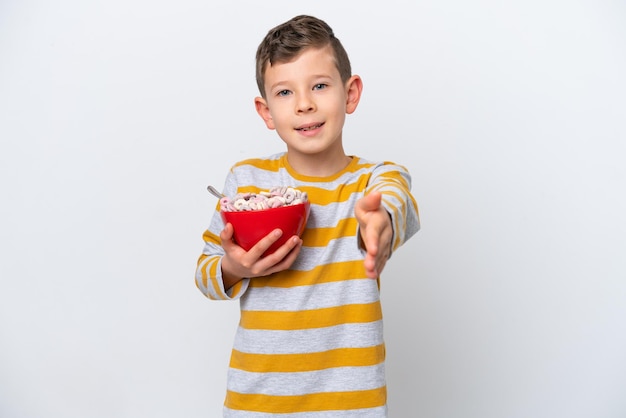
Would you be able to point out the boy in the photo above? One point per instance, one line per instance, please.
(310, 341)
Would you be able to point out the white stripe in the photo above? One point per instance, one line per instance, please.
(323, 295)
(340, 379)
(309, 340)
(327, 216)
(337, 251)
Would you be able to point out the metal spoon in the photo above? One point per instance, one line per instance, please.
(214, 192)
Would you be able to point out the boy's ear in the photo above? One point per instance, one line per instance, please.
(264, 111)
(354, 87)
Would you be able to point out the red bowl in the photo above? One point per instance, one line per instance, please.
(251, 226)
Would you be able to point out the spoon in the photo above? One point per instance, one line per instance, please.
(214, 192)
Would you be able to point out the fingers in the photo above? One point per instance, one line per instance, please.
(375, 272)
(371, 238)
(370, 202)
(285, 255)
(279, 260)
(376, 233)
(370, 266)
(376, 255)
(265, 243)
(240, 263)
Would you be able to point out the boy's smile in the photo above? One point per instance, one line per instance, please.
(306, 103)
(310, 127)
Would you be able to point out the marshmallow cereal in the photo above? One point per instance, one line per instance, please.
(274, 198)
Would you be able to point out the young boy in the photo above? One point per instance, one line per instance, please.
(310, 340)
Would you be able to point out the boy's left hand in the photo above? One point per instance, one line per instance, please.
(376, 232)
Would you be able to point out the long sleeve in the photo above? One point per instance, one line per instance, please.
(208, 271)
(394, 182)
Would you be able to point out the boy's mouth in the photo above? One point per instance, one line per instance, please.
(310, 127)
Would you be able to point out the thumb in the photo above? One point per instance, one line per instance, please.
(370, 202)
(226, 235)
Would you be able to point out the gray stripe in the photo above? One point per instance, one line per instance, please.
(340, 379)
(317, 296)
(309, 340)
(338, 250)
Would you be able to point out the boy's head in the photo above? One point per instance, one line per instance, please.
(287, 40)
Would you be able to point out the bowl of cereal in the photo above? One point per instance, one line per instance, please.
(254, 215)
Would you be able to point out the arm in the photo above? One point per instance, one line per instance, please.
(224, 269)
(209, 278)
(387, 215)
(238, 264)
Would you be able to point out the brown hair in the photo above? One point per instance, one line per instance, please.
(286, 41)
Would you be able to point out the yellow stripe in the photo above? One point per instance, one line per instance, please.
(217, 286)
(327, 273)
(205, 283)
(306, 362)
(211, 274)
(391, 193)
(325, 401)
(341, 194)
(236, 289)
(261, 164)
(321, 196)
(210, 237)
(396, 176)
(314, 318)
(320, 237)
(209, 269)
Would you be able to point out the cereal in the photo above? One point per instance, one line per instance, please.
(274, 198)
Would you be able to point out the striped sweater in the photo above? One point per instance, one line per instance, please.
(310, 339)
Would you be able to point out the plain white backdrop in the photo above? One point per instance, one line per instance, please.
(115, 115)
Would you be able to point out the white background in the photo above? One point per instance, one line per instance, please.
(115, 115)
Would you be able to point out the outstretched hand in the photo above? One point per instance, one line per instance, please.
(238, 263)
(376, 232)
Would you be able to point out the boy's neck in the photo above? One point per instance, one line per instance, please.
(318, 165)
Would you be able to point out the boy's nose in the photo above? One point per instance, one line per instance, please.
(305, 104)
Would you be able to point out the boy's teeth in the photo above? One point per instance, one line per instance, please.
(309, 128)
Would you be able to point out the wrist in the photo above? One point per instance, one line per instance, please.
(228, 278)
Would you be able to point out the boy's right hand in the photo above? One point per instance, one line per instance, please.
(238, 263)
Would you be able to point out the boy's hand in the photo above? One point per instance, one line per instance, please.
(376, 232)
(238, 263)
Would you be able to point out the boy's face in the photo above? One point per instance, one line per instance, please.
(306, 103)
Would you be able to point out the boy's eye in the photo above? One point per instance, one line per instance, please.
(319, 86)
(283, 93)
